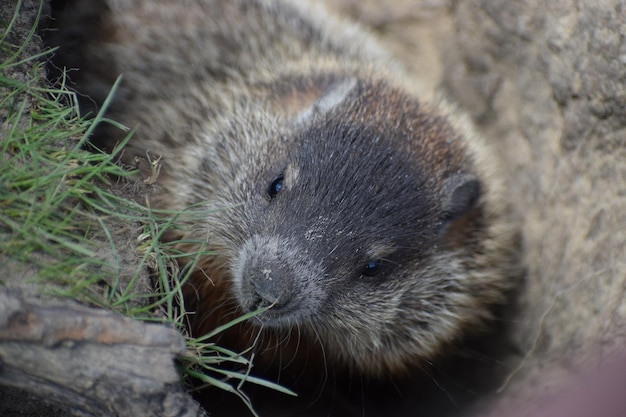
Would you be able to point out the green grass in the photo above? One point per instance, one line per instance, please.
(58, 204)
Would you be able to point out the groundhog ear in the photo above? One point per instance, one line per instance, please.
(324, 101)
(461, 194)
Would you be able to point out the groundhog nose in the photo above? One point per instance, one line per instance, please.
(270, 286)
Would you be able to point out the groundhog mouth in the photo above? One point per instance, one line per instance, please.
(271, 307)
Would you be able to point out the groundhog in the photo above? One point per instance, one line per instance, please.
(369, 227)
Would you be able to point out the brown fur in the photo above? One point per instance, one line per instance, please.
(234, 94)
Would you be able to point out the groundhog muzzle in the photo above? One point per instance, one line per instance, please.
(370, 225)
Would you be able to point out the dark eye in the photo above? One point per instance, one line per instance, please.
(275, 186)
(373, 267)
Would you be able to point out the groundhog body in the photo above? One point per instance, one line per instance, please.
(372, 225)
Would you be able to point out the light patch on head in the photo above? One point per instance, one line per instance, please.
(380, 251)
(292, 175)
(332, 97)
(317, 230)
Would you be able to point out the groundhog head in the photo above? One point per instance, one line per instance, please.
(361, 222)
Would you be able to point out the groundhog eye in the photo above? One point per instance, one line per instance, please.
(373, 267)
(275, 186)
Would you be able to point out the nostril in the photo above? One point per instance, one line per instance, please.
(266, 283)
(264, 295)
(257, 302)
(268, 290)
